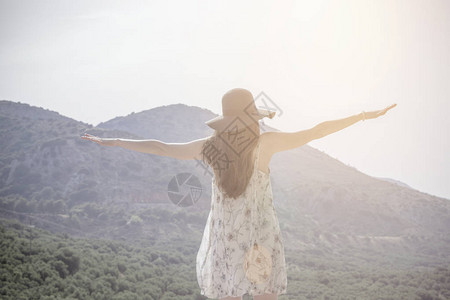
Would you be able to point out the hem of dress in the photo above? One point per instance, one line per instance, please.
(250, 293)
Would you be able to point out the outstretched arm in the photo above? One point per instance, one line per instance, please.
(328, 127)
(281, 141)
(332, 126)
(189, 150)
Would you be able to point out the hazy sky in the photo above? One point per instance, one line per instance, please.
(316, 60)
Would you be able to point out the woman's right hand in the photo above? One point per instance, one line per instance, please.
(100, 141)
(376, 113)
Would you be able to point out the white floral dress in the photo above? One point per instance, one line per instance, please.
(242, 250)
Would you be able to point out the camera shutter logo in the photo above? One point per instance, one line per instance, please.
(184, 189)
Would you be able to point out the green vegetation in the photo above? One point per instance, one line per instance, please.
(96, 222)
(36, 264)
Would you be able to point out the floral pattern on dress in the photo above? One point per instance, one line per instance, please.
(242, 250)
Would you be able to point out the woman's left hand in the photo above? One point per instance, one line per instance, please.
(98, 140)
(376, 113)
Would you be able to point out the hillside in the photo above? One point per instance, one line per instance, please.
(68, 184)
(317, 191)
(39, 265)
(169, 123)
(328, 211)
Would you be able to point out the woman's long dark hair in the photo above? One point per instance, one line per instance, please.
(232, 162)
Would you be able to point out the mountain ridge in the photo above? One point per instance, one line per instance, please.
(321, 202)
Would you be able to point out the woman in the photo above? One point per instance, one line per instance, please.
(242, 247)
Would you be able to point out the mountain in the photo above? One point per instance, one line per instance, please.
(315, 190)
(169, 123)
(42, 153)
(395, 181)
(51, 177)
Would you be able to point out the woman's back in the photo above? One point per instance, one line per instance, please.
(242, 249)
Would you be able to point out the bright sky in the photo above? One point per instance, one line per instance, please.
(316, 60)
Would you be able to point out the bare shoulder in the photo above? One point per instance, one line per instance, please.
(264, 151)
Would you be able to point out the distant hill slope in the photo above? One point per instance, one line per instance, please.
(395, 181)
(44, 158)
(169, 123)
(322, 184)
(323, 205)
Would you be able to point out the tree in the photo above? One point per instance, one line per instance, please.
(135, 221)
